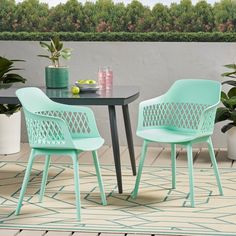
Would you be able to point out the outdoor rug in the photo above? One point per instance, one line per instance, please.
(158, 209)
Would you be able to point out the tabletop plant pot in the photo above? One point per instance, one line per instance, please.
(57, 77)
(10, 130)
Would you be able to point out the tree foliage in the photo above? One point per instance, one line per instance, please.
(225, 15)
(66, 17)
(7, 17)
(30, 15)
(107, 16)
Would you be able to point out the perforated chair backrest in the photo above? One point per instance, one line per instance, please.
(54, 125)
(43, 131)
(34, 99)
(194, 91)
(182, 107)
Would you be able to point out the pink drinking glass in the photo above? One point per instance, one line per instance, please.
(102, 78)
(109, 78)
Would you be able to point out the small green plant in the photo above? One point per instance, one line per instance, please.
(6, 79)
(228, 112)
(55, 48)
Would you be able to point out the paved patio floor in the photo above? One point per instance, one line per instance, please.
(155, 156)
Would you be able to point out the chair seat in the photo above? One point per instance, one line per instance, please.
(88, 144)
(164, 135)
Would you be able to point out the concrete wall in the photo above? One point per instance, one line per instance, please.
(153, 66)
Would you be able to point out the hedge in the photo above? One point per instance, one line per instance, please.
(120, 37)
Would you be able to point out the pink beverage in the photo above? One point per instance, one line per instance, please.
(102, 78)
(109, 78)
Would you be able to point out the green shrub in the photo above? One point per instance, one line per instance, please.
(123, 36)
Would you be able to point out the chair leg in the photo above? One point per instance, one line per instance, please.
(25, 181)
(44, 179)
(173, 166)
(140, 168)
(191, 177)
(77, 187)
(215, 167)
(100, 182)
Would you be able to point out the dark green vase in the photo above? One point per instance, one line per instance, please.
(57, 77)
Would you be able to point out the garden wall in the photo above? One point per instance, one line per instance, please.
(152, 66)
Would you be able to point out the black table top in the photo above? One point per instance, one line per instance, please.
(119, 95)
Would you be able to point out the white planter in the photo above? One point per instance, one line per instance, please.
(10, 128)
(231, 143)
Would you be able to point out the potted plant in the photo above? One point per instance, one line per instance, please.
(228, 111)
(56, 76)
(10, 115)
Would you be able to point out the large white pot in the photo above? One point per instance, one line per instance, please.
(231, 143)
(10, 128)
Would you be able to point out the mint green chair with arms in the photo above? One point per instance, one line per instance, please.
(184, 115)
(55, 128)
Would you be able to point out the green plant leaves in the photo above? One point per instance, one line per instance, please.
(46, 56)
(13, 78)
(228, 112)
(223, 95)
(9, 109)
(222, 114)
(230, 82)
(228, 126)
(231, 66)
(7, 66)
(5, 63)
(56, 43)
(232, 92)
(56, 51)
(229, 74)
(45, 46)
(224, 99)
(66, 53)
(229, 103)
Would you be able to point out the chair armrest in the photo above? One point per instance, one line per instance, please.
(207, 120)
(47, 131)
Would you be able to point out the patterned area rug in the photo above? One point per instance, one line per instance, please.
(158, 209)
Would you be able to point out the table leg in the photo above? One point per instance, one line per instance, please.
(115, 145)
(129, 137)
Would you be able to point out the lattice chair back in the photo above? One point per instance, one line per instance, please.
(188, 106)
(53, 125)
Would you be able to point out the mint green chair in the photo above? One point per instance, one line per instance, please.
(184, 115)
(59, 129)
